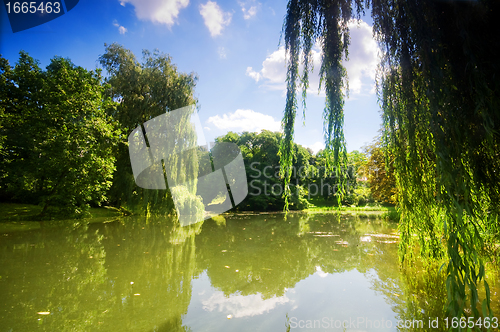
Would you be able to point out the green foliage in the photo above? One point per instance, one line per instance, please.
(305, 22)
(57, 136)
(309, 176)
(188, 203)
(381, 174)
(439, 88)
(63, 131)
(144, 90)
(358, 161)
(260, 154)
(342, 187)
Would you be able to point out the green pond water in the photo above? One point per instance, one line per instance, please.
(311, 272)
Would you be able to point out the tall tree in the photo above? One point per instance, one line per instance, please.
(440, 89)
(260, 153)
(358, 161)
(58, 138)
(144, 90)
(380, 172)
(305, 22)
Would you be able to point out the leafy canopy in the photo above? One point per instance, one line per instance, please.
(144, 90)
(57, 135)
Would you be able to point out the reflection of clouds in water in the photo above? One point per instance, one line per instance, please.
(242, 306)
(320, 272)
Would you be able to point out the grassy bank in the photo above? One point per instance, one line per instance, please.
(369, 210)
(17, 217)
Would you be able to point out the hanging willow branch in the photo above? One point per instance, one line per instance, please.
(306, 22)
(439, 89)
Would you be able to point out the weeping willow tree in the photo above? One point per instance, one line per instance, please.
(144, 91)
(439, 86)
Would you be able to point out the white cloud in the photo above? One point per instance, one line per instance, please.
(121, 28)
(242, 306)
(215, 19)
(249, 8)
(361, 67)
(253, 74)
(157, 11)
(273, 71)
(316, 146)
(222, 53)
(320, 272)
(250, 12)
(363, 57)
(245, 120)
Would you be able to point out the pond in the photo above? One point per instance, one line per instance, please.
(310, 272)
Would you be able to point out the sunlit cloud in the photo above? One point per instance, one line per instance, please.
(222, 52)
(363, 58)
(361, 66)
(249, 8)
(273, 72)
(157, 11)
(244, 120)
(316, 146)
(242, 306)
(121, 29)
(253, 74)
(320, 272)
(215, 19)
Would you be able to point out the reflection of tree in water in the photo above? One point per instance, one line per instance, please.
(272, 255)
(158, 256)
(260, 250)
(418, 293)
(137, 275)
(99, 277)
(53, 270)
(173, 324)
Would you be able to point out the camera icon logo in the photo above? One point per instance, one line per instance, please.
(171, 152)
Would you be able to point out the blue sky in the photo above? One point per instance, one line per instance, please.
(231, 45)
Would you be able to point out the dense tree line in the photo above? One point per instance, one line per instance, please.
(260, 154)
(64, 139)
(63, 130)
(311, 177)
(57, 135)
